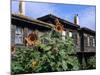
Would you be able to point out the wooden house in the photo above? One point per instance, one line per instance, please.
(84, 38)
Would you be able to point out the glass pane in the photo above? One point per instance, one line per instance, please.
(70, 34)
(18, 30)
(18, 39)
(88, 41)
(93, 42)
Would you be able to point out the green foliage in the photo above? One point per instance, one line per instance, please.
(92, 62)
(53, 54)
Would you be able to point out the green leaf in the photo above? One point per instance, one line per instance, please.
(64, 65)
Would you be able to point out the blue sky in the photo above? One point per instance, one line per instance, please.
(65, 11)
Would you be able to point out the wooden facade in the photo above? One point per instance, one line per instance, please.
(84, 38)
(89, 40)
(25, 25)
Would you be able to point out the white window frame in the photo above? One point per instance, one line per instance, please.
(63, 35)
(70, 34)
(88, 41)
(93, 42)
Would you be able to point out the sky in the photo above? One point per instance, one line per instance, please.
(67, 12)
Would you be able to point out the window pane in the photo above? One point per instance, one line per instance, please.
(70, 34)
(18, 39)
(18, 30)
(88, 41)
(93, 42)
(63, 35)
(18, 36)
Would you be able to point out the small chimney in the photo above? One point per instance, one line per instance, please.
(76, 19)
(21, 7)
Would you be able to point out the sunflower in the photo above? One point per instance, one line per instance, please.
(32, 39)
(59, 27)
(13, 50)
(33, 36)
(34, 63)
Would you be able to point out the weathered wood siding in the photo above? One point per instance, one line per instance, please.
(75, 37)
(13, 27)
(25, 33)
(88, 45)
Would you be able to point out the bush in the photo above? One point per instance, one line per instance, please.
(53, 54)
(92, 62)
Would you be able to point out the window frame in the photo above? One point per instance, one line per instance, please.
(93, 42)
(63, 35)
(71, 34)
(88, 41)
(18, 35)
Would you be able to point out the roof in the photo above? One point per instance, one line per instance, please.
(53, 17)
(87, 30)
(40, 22)
(31, 20)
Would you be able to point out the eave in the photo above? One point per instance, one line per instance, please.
(66, 23)
(30, 20)
(88, 31)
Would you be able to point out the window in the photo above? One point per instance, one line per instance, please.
(70, 34)
(93, 42)
(63, 35)
(88, 41)
(18, 35)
